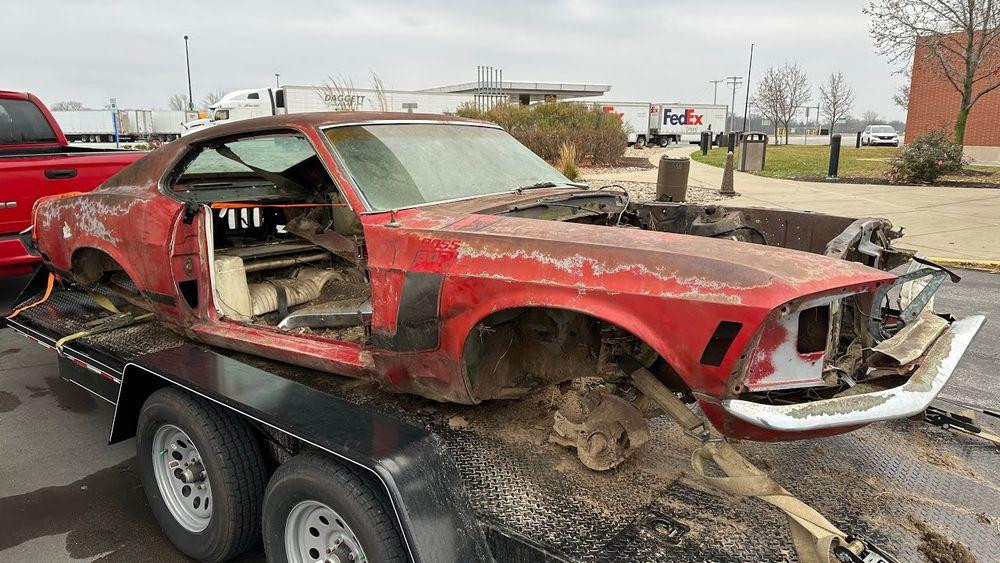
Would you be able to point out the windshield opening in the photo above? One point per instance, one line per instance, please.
(882, 129)
(402, 165)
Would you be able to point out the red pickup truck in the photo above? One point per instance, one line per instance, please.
(36, 160)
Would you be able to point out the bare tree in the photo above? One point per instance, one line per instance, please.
(959, 39)
(902, 97)
(870, 117)
(780, 93)
(68, 105)
(768, 98)
(212, 98)
(836, 98)
(178, 102)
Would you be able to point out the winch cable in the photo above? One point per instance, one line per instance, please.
(812, 534)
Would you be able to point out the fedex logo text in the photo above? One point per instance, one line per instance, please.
(689, 117)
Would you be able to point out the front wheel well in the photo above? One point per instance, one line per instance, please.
(514, 351)
(88, 265)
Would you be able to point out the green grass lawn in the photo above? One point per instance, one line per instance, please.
(811, 162)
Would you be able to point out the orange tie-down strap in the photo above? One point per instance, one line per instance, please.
(254, 205)
(48, 292)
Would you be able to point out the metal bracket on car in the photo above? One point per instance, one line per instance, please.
(876, 326)
(961, 424)
(860, 550)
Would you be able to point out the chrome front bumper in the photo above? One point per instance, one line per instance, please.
(906, 400)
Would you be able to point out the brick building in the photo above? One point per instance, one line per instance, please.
(934, 103)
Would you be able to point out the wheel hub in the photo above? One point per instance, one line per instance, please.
(181, 478)
(316, 532)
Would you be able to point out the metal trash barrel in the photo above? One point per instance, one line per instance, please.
(672, 178)
(753, 149)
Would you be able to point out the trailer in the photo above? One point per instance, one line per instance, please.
(339, 470)
(99, 126)
(634, 116)
(259, 102)
(679, 122)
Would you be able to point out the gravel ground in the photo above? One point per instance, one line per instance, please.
(642, 159)
(645, 191)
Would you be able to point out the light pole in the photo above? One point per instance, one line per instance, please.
(187, 59)
(746, 106)
(276, 75)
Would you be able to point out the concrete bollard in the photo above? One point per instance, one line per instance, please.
(706, 142)
(727, 176)
(731, 145)
(857, 143)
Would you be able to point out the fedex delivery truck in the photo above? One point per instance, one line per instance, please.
(258, 102)
(677, 122)
(634, 117)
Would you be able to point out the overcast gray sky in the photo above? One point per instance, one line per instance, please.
(90, 50)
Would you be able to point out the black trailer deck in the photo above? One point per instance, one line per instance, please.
(504, 485)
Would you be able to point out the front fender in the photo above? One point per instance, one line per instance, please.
(677, 329)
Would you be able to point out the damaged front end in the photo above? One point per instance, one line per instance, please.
(829, 363)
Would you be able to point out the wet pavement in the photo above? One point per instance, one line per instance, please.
(65, 495)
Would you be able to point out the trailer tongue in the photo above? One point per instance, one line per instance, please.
(478, 483)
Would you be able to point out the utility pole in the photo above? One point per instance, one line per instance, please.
(734, 82)
(746, 106)
(276, 75)
(715, 93)
(187, 58)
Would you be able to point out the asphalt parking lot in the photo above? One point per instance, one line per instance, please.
(66, 496)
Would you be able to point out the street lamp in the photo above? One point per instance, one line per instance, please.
(187, 59)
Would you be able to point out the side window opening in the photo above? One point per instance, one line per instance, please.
(253, 96)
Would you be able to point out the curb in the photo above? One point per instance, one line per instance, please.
(991, 266)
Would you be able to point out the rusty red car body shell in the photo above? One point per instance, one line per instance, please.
(669, 290)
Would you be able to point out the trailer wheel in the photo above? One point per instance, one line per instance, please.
(316, 509)
(203, 474)
(664, 141)
(640, 142)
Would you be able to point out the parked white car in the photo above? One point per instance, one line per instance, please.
(880, 135)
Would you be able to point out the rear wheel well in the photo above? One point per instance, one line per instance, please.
(513, 351)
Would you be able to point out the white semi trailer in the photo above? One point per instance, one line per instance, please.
(258, 102)
(662, 124)
(678, 122)
(98, 126)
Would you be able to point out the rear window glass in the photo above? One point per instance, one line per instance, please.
(21, 122)
(246, 169)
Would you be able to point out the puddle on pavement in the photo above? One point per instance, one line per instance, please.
(8, 401)
(105, 516)
(68, 396)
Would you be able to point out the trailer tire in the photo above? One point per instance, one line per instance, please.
(233, 468)
(664, 142)
(314, 489)
(640, 142)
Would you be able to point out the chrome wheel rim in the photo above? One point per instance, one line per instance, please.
(181, 478)
(315, 532)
